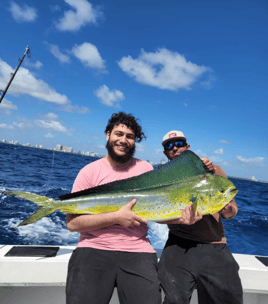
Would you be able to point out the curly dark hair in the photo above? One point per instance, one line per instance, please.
(129, 120)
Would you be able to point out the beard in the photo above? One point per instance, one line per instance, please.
(119, 158)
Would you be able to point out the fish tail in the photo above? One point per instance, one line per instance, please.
(39, 213)
(41, 201)
(32, 197)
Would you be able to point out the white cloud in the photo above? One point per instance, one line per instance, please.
(23, 125)
(36, 65)
(26, 83)
(89, 55)
(82, 14)
(50, 116)
(257, 161)
(208, 83)
(139, 147)
(163, 69)
(200, 153)
(75, 108)
(23, 14)
(185, 104)
(49, 122)
(55, 51)
(49, 135)
(219, 151)
(52, 126)
(5, 126)
(110, 98)
(7, 106)
(226, 142)
(216, 159)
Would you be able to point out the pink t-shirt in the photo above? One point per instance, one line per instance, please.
(115, 237)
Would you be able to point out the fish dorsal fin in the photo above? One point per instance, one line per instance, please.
(186, 165)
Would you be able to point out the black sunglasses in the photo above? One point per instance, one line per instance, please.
(180, 143)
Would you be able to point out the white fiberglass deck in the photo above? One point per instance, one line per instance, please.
(38, 280)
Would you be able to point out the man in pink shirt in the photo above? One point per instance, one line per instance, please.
(113, 250)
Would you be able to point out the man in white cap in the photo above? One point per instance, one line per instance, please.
(197, 256)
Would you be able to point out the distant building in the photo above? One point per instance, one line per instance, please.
(93, 154)
(14, 142)
(253, 178)
(39, 146)
(86, 153)
(4, 141)
(58, 147)
(67, 149)
(28, 145)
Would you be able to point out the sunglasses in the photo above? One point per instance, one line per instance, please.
(180, 143)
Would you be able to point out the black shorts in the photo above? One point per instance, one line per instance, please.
(93, 274)
(211, 268)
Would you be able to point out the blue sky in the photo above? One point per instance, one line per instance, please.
(195, 66)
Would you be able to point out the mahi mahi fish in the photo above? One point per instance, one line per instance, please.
(160, 194)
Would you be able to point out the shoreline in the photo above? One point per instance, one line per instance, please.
(249, 179)
(100, 156)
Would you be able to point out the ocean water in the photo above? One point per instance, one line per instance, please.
(52, 174)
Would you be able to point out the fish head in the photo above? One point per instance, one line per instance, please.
(216, 191)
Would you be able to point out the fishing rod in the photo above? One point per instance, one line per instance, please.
(3, 93)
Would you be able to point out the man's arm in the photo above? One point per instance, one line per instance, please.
(230, 210)
(124, 217)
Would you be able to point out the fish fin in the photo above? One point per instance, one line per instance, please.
(37, 215)
(186, 165)
(32, 197)
(194, 201)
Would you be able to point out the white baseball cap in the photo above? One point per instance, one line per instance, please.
(172, 135)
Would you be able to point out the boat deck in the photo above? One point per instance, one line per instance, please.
(32, 280)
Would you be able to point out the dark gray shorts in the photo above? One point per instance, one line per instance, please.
(93, 274)
(211, 268)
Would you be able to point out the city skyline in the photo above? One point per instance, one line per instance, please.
(59, 148)
(94, 154)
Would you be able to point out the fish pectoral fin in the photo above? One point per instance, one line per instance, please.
(37, 215)
(194, 201)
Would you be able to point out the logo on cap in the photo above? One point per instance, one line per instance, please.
(172, 135)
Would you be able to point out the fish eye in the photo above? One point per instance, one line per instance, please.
(221, 190)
